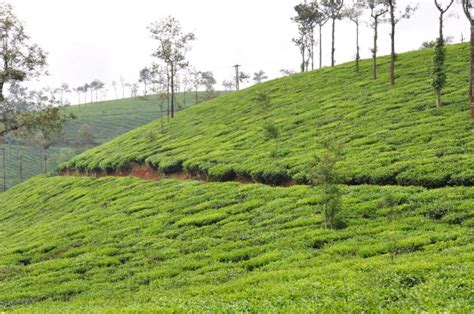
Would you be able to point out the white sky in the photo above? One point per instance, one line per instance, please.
(106, 39)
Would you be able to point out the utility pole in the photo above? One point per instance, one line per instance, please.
(237, 76)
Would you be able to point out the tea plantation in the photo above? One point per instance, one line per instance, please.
(123, 244)
(404, 241)
(106, 120)
(390, 135)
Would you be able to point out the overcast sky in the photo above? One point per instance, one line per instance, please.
(107, 39)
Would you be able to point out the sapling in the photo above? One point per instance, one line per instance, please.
(323, 173)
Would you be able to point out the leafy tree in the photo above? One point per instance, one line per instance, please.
(307, 16)
(263, 100)
(378, 8)
(333, 10)
(467, 6)
(196, 82)
(145, 77)
(208, 81)
(259, 77)
(172, 47)
(354, 13)
(395, 17)
(20, 59)
(323, 173)
(228, 85)
(86, 136)
(243, 77)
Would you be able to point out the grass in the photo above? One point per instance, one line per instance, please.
(390, 135)
(122, 244)
(107, 120)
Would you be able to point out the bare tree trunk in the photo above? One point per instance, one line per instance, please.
(196, 96)
(441, 26)
(172, 90)
(439, 100)
(471, 74)
(333, 50)
(320, 46)
(358, 48)
(392, 37)
(374, 50)
(2, 98)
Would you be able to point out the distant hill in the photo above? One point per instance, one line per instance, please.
(106, 119)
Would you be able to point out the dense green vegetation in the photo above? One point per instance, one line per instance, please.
(83, 244)
(106, 120)
(390, 135)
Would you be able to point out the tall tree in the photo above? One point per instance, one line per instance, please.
(123, 84)
(395, 17)
(439, 71)
(259, 77)
(467, 6)
(378, 8)
(307, 16)
(145, 76)
(196, 82)
(64, 89)
(172, 47)
(20, 59)
(333, 10)
(354, 13)
(208, 81)
(114, 85)
(443, 7)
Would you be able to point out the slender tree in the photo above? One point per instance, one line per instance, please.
(114, 85)
(172, 47)
(308, 14)
(378, 8)
(443, 7)
(145, 76)
(354, 13)
(259, 76)
(333, 10)
(395, 17)
(467, 6)
(64, 89)
(439, 71)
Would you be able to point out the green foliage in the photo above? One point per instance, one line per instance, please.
(439, 70)
(324, 174)
(270, 130)
(390, 135)
(127, 245)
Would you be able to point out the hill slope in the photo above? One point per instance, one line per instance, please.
(83, 244)
(106, 120)
(390, 135)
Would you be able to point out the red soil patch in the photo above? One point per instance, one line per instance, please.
(146, 172)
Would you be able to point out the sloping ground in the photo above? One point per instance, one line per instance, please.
(123, 244)
(389, 135)
(106, 119)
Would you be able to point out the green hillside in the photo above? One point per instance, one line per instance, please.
(390, 135)
(106, 120)
(122, 244)
(404, 240)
